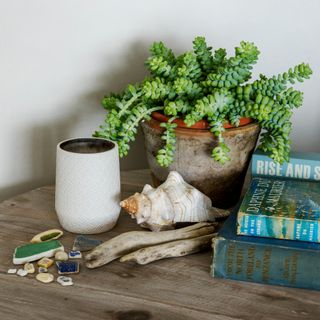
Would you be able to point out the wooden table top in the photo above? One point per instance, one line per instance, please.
(179, 288)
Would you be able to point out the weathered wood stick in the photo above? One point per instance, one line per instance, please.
(131, 241)
(169, 250)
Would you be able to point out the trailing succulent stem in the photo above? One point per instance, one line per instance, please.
(165, 155)
(202, 84)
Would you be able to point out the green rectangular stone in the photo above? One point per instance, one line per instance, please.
(32, 249)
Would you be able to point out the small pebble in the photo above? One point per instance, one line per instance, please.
(22, 272)
(45, 277)
(42, 270)
(29, 267)
(12, 271)
(61, 256)
(75, 254)
(45, 262)
(65, 281)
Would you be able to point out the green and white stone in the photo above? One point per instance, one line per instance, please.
(47, 235)
(35, 251)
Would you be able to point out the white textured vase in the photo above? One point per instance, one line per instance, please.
(87, 185)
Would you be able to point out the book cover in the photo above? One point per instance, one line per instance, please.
(265, 260)
(281, 208)
(302, 165)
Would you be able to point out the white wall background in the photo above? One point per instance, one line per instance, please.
(58, 58)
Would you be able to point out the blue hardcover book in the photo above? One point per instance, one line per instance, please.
(281, 208)
(265, 260)
(305, 166)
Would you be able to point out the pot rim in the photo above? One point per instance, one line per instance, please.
(200, 125)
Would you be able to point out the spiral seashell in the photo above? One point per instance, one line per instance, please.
(173, 201)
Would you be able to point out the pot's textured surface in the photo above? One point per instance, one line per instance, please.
(192, 159)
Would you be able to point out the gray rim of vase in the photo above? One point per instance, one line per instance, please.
(86, 145)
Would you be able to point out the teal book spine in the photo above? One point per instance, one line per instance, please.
(265, 260)
(280, 228)
(302, 165)
(282, 209)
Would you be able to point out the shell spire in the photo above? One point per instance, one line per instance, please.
(130, 205)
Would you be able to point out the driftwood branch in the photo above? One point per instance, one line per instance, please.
(171, 249)
(131, 241)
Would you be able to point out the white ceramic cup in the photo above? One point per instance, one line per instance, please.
(87, 185)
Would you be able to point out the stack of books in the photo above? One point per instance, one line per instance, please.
(273, 236)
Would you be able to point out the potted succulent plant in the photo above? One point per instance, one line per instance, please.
(198, 106)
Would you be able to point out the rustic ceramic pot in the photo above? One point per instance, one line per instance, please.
(192, 158)
(87, 185)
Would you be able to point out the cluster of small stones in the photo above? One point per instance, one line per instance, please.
(43, 265)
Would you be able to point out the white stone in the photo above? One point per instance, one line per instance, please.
(22, 272)
(12, 271)
(29, 267)
(61, 256)
(45, 277)
(65, 281)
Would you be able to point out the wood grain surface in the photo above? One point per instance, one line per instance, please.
(179, 288)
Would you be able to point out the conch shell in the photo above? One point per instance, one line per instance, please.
(173, 201)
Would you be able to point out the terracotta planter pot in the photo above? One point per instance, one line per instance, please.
(192, 159)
